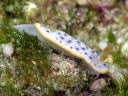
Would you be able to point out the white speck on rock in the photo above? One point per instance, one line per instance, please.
(7, 49)
(102, 45)
(120, 40)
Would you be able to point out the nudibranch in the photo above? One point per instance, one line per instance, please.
(61, 41)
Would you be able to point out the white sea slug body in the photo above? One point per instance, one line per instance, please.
(60, 40)
(63, 42)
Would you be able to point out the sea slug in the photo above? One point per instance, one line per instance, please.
(61, 41)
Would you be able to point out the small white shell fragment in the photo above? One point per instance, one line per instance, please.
(98, 85)
(7, 49)
(102, 45)
(120, 40)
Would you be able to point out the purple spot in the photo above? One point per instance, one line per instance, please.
(85, 53)
(77, 48)
(104, 64)
(56, 38)
(90, 57)
(93, 51)
(65, 34)
(47, 31)
(60, 41)
(83, 48)
(78, 42)
(69, 41)
(71, 47)
(62, 38)
(95, 64)
(59, 33)
(72, 38)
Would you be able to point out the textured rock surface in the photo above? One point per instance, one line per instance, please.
(66, 73)
(98, 85)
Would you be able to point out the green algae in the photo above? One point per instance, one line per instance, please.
(30, 64)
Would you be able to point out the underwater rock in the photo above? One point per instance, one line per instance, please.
(98, 85)
(32, 91)
(65, 73)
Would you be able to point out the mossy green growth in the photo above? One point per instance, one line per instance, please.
(8, 88)
(111, 36)
(30, 60)
(2, 39)
(118, 58)
(13, 9)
